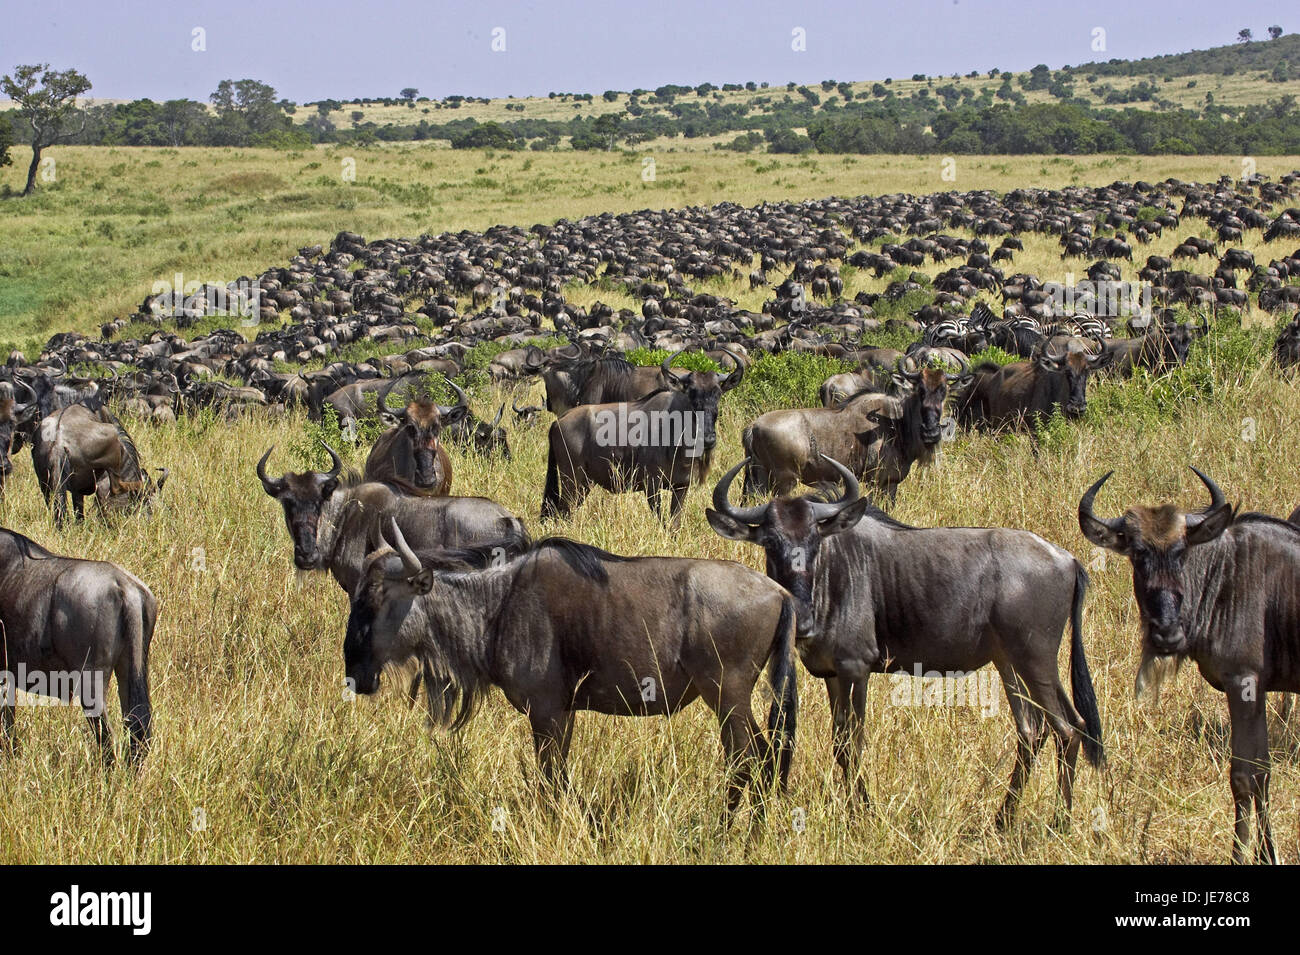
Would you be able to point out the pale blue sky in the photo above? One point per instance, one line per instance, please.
(326, 48)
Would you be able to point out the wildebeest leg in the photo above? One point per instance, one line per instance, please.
(1248, 712)
(847, 732)
(79, 507)
(675, 505)
(6, 721)
(740, 735)
(1031, 733)
(1067, 747)
(102, 735)
(551, 735)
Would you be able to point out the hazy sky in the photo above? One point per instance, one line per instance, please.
(327, 48)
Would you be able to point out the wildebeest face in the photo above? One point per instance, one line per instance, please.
(302, 496)
(8, 425)
(422, 426)
(703, 390)
(382, 600)
(1156, 541)
(790, 531)
(1075, 367)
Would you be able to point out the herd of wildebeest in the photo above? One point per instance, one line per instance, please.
(457, 584)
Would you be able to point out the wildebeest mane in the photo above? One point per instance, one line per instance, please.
(28, 548)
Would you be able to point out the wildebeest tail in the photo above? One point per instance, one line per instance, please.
(783, 717)
(551, 494)
(139, 614)
(1085, 700)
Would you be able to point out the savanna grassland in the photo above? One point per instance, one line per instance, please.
(259, 754)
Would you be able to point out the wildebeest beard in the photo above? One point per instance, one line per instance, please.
(1154, 670)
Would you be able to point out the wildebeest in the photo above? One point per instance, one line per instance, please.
(664, 440)
(1221, 589)
(78, 452)
(1027, 390)
(1164, 348)
(594, 381)
(409, 455)
(567, 627)
(478, 436)
(333, 519)
(67, 626)
(11, 415)
(878, 437)
(874, 595)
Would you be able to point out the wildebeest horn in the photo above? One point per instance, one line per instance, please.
(1097, 529)
(745, 515)
(666, 362)
(271, 485)
(912, 376)
(61, 362)
(22, 384)
(964, 365)
(380, 406)
(737, 374)
(462, 399)
(1217, 498)
(409, 561)
(500, 411)
(851, 492)
(162, 478)
(337, 466)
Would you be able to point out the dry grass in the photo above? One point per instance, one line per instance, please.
(253, 728)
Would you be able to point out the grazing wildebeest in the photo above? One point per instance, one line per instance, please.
(1162, 349)
(478, 436)
(877, 436)
(11, 416)
(77, 452)
(567, 627)
(1221, 589)
(664, 440)
(410, 455)
(68, 626)
(873, 595)
(1027, 390)
(1286, 350)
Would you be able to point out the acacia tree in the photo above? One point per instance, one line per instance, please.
(6, 140)
(1274, 32)
(1244, 36)
(46, 100)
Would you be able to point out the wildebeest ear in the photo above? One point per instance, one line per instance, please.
(1210, 526)
(729, 527)
(423, 581)
(844, 519)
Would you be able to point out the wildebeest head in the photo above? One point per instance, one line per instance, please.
(703, 390)
(421, 423)
(1075, 366)
(930, 388)
(11, 416)
(1156, 541)
(302, 496)
(790, 531)
(391, 578)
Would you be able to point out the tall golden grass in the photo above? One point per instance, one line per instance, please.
(260, 756)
